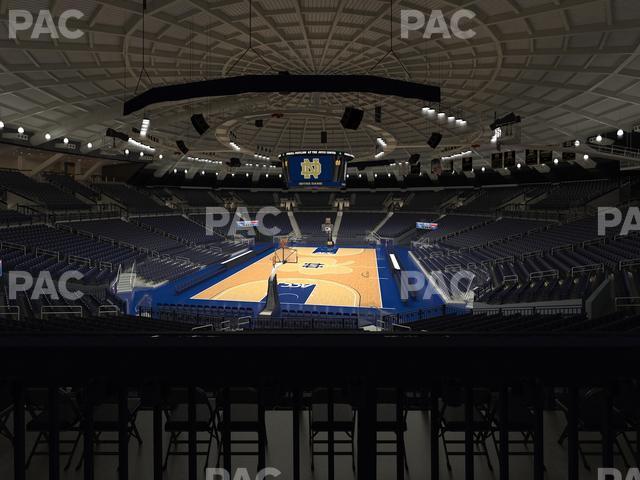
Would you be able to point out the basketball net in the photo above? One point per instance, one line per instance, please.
(284, 254)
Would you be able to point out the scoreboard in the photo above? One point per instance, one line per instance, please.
(315, 168)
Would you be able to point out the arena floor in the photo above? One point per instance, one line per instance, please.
(342, 277)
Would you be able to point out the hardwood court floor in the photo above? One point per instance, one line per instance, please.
(347, 278)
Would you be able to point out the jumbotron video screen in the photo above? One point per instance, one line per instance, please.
(316, 168)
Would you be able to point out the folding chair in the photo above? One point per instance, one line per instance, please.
(388, 421)
(453, 420)
(106, 416)
(177, 424)
(6, 409)
(344, 421)
(246, 415)
(590, 414)
(520, 420)
(68, 420)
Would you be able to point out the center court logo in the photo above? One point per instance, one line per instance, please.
(311, 168)
(436, 24)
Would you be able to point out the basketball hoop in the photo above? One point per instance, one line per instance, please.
(283, 253)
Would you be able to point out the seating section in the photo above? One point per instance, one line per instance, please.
(177, 225)
(132, 200)
(452, 224)
(257, 199)
(369, 201)
(44, 194)
(401, 223)
(196, 198)
(111, 324)
(12, 217)
(429, 201)
(94, 251)
(491, 199)
(356, 226)
(310, 223)
(67, 183)
(575, 194)
(142, 238)
(491, 232)
(313, 200)
(500, 323)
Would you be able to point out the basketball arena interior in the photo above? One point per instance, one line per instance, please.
(319, 239)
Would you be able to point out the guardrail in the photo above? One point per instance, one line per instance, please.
(11, 311)
(108, 310)
(61, 311)
(627, 302)
(530, 310)
(596, 267)
(235, 324)
(544, 274)
(634, 262)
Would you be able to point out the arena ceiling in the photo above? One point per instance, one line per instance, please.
(570, 68)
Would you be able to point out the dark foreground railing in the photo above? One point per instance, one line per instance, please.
(62, 380)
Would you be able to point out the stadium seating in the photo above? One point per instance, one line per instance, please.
(310, 223)
(356, 226)
(318, 200)
(43, 194)
(400, 223)
(129, 198)
(196, 197)
(257, 199)
(67, 183)
(575, 194)
(369, 201)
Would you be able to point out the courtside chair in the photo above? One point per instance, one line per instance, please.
(177, 424)
(6, 409)
(246, 416)
(391, 418)
(320, 426)
(590, 416)
(521, 420)
(453, 423)
(106, 415)
(67, 418)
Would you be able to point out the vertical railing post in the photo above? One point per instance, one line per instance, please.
(435, 433)
(367, 431)
(572, 434)
(504, 432)
(607, 428)
(123, 433)
(296, 432)
(469, 453)
(18, 432)
(192, 433)
(54, 434)
(157, 431)
(88, 432)
(538, 433)
(331, 437)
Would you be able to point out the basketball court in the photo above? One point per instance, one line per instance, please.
(331, 276)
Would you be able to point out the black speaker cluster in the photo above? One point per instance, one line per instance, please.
(352, 118)
(435, 140)
(199, 123)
